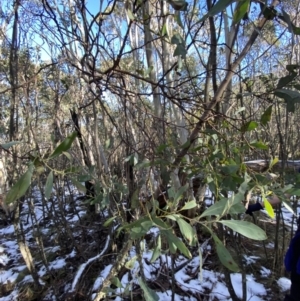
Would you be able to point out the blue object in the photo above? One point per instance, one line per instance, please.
(254, 207)
(288, 260)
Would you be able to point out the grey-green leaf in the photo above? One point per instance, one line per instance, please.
(64, 146)
(149, 294)
(246, 228)
(21, 186)
(78, 185)
(175, 242)
(219, 208)
(224, 255)
(186, 230)
(241, 10)
(217, 8)
(10, 144)
(189, 205)
(266, 116)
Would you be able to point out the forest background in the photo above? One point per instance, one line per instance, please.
(141, 106)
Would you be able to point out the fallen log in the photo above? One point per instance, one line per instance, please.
(263, 165)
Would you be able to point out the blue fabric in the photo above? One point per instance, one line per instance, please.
(288, 260)
(254, 207)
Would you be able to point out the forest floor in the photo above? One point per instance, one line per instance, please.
(64, 242)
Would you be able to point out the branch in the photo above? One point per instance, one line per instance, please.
(222, 88)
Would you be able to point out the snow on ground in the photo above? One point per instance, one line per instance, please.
(284, 284)
(190, 278)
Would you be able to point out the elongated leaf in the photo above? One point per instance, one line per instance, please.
(10, 144)
(130, 263)
(78, 185)
(273, 162)
(49, 185)
(157, 250)
(130, 15)
(179, 5)
(21, 186)
(149, 294)
(241, 10)
(284, 81)
(259, 145)
(217, 8)
(245, 228)
(174, 242)
(269, 208)
(219, 208)
(266, 116)
(288, 207)
(64, 146)
(115, 281)
(224, 255)
(177, 18)
(189, 205)
(109, 221)
(180, 192)
(180, 50)
(290, 96)
(186, 230)
(249, 126)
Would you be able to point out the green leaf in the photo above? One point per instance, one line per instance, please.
(179, 194)
(219, 208)
(292, 28)
(245, 228)
(10, 144)
(64, 146)
(259, 145)
(217, 8)
(21, 186)
(180, 50)
(269, 208)
(290, 96)
(135, 201)
(115, 281)
(241, 9)
(178, 5)
(266, 116)
(177, 18)
(189, 205)
(109, 221)
(149, 294)
(273, 162)
(84, 178)
(144, 163)
(224, 255)
(157, 250)
(174, 243)
(67, 155)
(230, 169)
(78, 185)
(164, 31)
(130, 263)
(130, 15)
(296, 30)
(284, 81)
(49, 185)
(249, 126)
(185, 229)
(108, 143)
(288, 207)
(177, 39)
